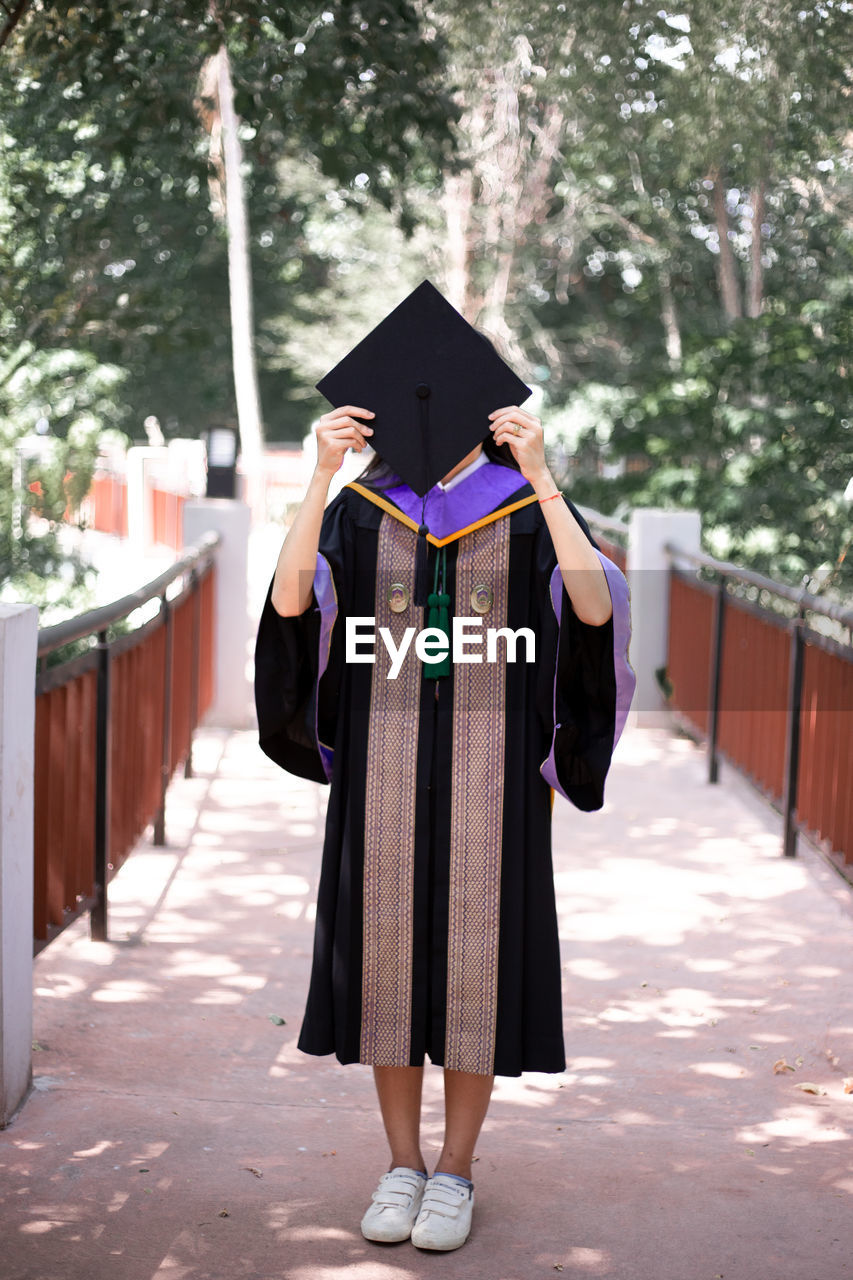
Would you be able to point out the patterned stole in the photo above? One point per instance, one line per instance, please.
(477, 790)
(389, 812)
(476, 822)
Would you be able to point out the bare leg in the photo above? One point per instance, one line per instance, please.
(399, 1091)
(466, 1101)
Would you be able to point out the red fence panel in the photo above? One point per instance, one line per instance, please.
(753, 713)
(753, 694)
(136, 737)
(107, 505)
(691, 612)
(64, 801)
(167, 514)
(66, 737)
(825, 794)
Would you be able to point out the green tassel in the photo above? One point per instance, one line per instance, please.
(438, 604)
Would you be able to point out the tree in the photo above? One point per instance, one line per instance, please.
(113, 248)
(654, 209)
(107, 166)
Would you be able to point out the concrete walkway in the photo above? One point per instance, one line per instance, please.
(176, 1132)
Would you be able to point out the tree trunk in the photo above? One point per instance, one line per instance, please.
(14, 16)
(669, 319)
(458, 203)
(240, 288)
(755, 293)
(726, 266)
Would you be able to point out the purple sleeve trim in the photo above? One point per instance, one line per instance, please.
(626, 680)
(327, 603)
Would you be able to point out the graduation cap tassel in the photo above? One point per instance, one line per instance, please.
(422, 562)
(439, 616)
(422, 392)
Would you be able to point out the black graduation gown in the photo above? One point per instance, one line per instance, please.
(436, 929)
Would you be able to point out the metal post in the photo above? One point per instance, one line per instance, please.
(792, 744)
(166, 755)
(716, 677)
(195, 651)
(98, 914)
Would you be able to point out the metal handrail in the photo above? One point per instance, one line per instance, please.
(196, 557)
(805, 603)
(796, 595)
(194, 564)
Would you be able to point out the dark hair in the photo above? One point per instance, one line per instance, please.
(379, 473)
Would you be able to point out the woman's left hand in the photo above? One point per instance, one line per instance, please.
(523, 433)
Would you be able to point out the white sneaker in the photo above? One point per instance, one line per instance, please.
(444, 1221)
(395, 1206)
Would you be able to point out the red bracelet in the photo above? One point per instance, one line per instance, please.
(550, 496)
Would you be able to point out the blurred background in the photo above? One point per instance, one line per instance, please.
(204, 205)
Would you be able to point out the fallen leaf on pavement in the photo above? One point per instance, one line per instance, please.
(279, 1022)
(847, 1084)
(808, 1087)
(780, 1066)
(256, 1172)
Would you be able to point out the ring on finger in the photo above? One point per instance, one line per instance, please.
(516, 427)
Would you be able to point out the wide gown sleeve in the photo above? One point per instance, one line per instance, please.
(593, 684)
(291, 657)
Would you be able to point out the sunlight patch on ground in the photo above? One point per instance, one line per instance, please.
(367, 1270)
(63, 987)
(199, 965)
(706, 965)
(41, 1226)
(800, 1127)
(616, 1014)
(317, 1233)
(291, 910)
(721, 1070)
(125, 989)
(533, 1089)
(590, 969)
(97, 1150)
(594, 1262)
(217, 996)
(635, 1118)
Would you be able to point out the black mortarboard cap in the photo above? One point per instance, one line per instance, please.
(431, 379)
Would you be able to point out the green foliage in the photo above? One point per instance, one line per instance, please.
(652, 209)
(113, 275)
(44, 475)
(755, 432)
(683, 134)
(106, 174)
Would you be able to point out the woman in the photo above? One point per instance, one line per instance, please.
(436, 921)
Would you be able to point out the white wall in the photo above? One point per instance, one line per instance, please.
(649, 530)
(18, 639)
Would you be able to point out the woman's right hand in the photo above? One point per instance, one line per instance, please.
(338, 431)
